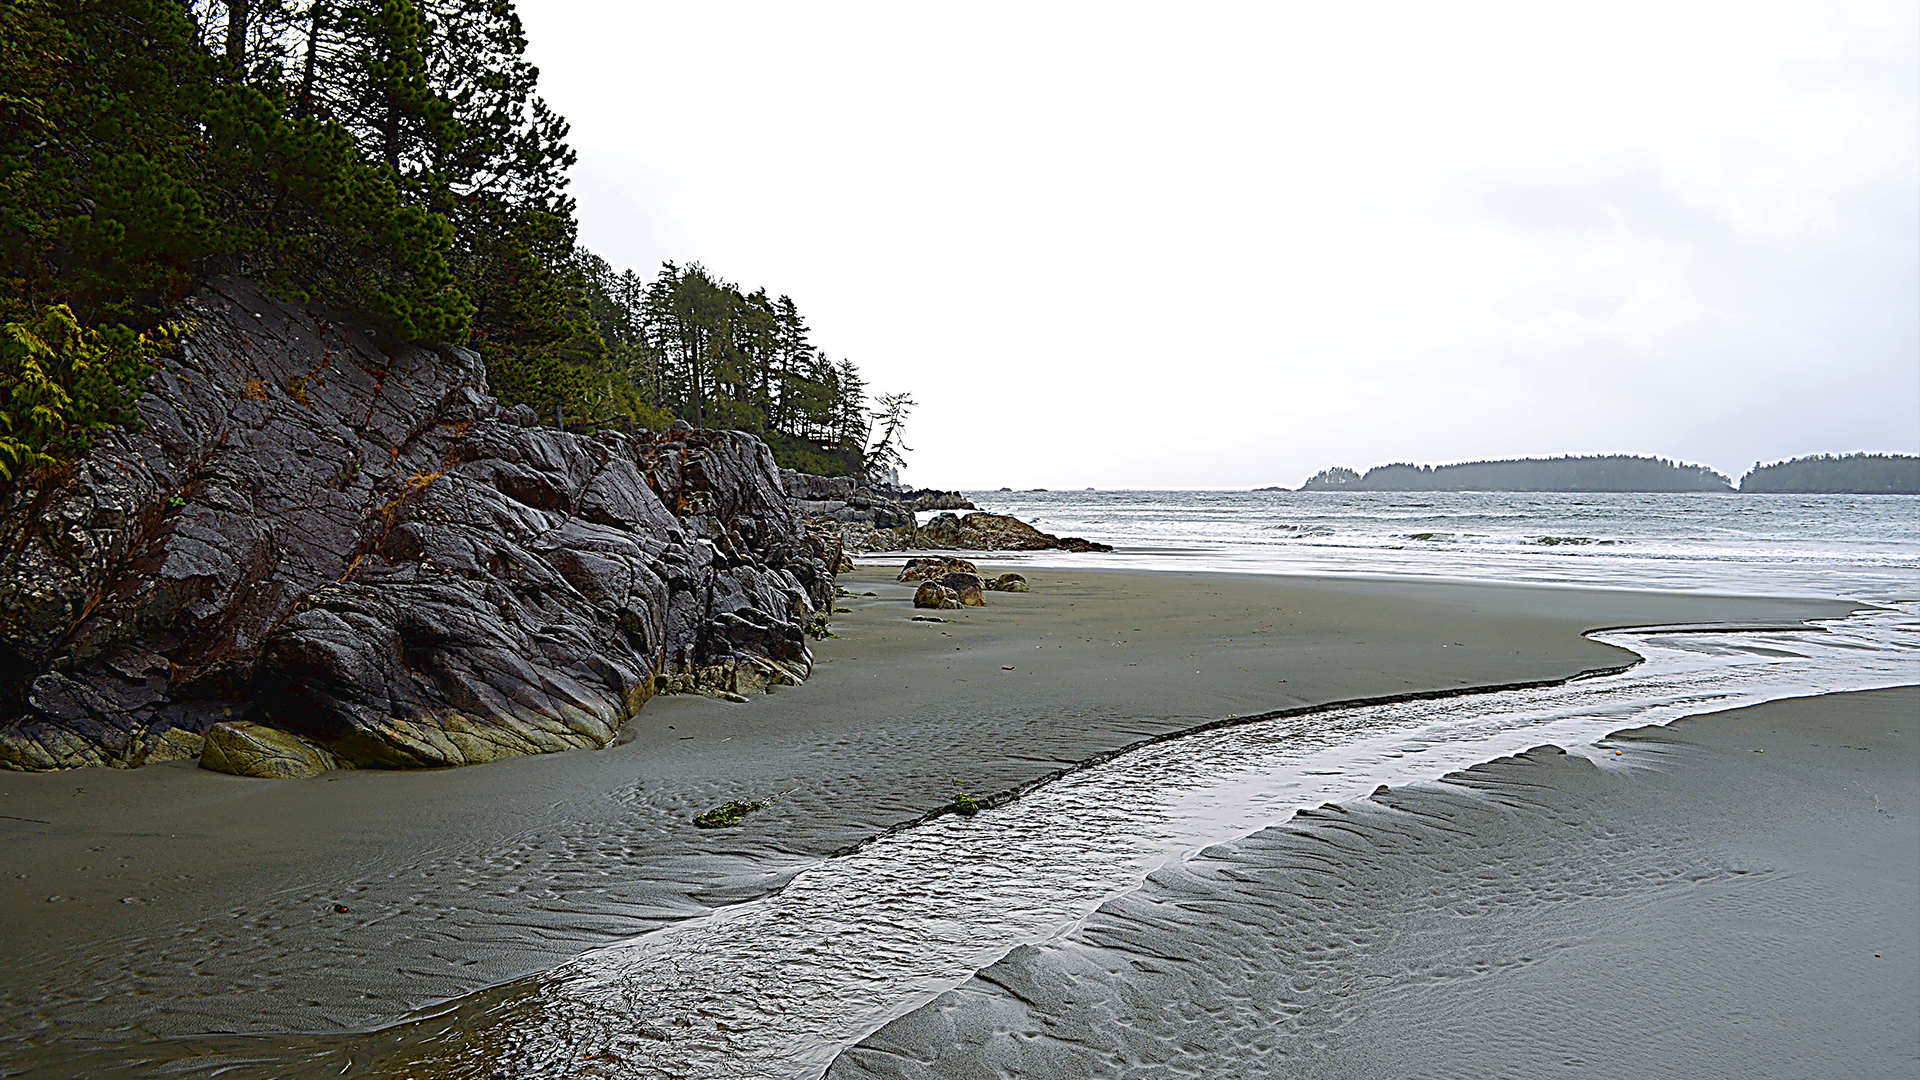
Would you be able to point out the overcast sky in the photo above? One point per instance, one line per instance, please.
(1226, 245)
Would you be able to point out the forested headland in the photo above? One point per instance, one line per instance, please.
(1613, 472)
(1854, 474)
(389, 158)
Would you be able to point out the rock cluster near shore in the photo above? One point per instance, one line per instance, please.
(952, 583)
(351, 544)
(868, 530)
(883, 519)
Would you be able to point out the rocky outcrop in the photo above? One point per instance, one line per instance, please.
(840, 499)
(349, 541)
(1008, 583)
(974, 532)
(995, 532)
(924, 499)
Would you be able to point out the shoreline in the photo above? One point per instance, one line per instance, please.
(1679, 906)
(868, 755)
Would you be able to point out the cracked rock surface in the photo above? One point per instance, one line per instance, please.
(350, 541)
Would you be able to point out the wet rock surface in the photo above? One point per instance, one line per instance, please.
(348, 540)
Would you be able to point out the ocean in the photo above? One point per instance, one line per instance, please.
(1855, 547)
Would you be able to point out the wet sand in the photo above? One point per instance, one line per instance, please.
(1730, 895)
(193, 902)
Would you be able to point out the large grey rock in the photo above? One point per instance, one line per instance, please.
(348, 540)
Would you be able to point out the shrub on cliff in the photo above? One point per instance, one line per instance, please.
(61, 383)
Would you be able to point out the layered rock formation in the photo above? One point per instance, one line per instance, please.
(349, 541)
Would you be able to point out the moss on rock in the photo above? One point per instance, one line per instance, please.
(245, 749)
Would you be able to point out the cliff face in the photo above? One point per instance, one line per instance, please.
(357, 545)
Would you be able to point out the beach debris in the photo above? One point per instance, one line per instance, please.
(1009, 583)
(1006, 667)
(928, 618)
(339, 909)
(966, 805)
(727, 815)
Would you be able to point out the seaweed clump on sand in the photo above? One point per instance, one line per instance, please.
(726, 816)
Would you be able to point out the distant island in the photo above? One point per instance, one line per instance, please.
(1848, 474)
(1616, 472)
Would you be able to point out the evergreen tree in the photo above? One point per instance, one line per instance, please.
(387, 155)
(888, 452)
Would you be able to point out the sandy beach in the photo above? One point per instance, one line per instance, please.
(169, 901)
(1730, 895)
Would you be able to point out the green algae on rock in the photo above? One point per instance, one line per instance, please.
(245, 749)
(727, 816)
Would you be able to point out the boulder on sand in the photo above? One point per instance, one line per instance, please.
(932, 594)
(969, 588)
(923, 569)
(1008, 583)
(245, 749)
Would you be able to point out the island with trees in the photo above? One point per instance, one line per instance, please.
(1614, 472)
(1846, 474)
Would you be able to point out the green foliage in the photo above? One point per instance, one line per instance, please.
(62, 383)
(391, 156)
(727, 815)
(103, 205)
(692, 345)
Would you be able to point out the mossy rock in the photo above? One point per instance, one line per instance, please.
(1009, 583)
(245, 749)
(932, 594)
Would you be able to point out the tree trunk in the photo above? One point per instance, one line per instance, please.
(238, 13)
